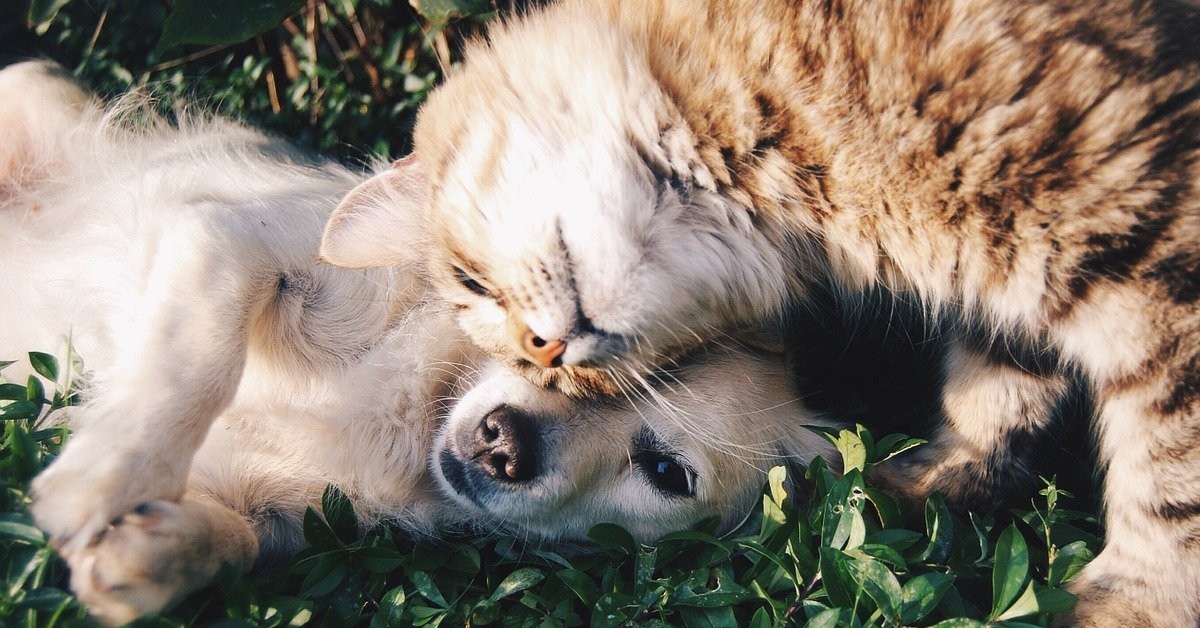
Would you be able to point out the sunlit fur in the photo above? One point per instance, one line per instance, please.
(636, 178)
(231, 376)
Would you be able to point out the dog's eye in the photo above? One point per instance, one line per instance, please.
(667, 474)
(470, 283)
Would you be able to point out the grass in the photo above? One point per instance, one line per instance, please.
(842, 558)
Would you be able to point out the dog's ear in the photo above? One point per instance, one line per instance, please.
(768, 337)
(378, 223)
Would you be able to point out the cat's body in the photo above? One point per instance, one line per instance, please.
(231, 376)
(613, 183)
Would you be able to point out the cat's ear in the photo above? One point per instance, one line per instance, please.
(378, 223)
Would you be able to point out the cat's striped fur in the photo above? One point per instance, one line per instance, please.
(615, 182)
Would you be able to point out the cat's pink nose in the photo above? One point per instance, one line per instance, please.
(544, 353)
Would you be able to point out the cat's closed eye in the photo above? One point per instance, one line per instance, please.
(470, 283)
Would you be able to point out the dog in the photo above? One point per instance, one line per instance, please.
(233, 376)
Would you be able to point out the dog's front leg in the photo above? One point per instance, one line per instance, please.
(182, 351)
(155, 555)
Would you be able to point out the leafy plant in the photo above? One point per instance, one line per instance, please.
(342, 76)
(32, 589)
(841, 558)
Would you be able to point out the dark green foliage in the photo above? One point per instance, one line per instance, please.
(32, 591)
(342, 76)
(840, 559)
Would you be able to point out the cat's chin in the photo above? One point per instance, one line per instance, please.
(574, 381)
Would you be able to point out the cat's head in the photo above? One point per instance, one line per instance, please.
(541, 465)
(562, 228)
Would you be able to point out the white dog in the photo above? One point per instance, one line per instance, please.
(233, 375)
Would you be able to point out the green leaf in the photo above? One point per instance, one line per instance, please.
(613, 537)
(842, 510)
(18, 527)
(850, 445)
(44, 364)
(1054, 601)
(1026, 604)
(960, 622)
(45, 600)
(643, 565)
(836, 575)
(691, 537)
(516, 582)
(1010, 571)
(775, 479)
(898, 539)
(325, 576)
(317, 531)
(893, 445)
(881, 552)
(580, 584)
(714, 617)
(879, 583)
(339, 514)
(378, 559)
(695, 592)
(980, 549)
(939, 528)
(438, 12)
(222, 21)
(426, 587)
(391, 609)
(773, 517)
(922, 594)
(832, 618)
(1068, 561)
(42, 12)
(19, 410)
(34, 391)
(13, 392)
(886, 507)
(612, 610)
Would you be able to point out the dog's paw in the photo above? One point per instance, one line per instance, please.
(143, 562)
(91, 485)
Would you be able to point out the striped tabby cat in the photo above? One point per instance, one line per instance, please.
(614, 183)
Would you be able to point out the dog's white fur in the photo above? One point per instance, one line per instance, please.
(233, 376)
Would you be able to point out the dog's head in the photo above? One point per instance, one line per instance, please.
(696, 445)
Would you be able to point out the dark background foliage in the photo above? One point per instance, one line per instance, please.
(341, 76)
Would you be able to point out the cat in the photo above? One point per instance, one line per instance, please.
(233, 376)
(612, 184)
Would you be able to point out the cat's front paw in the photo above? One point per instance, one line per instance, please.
(91, 484)
(144, 562)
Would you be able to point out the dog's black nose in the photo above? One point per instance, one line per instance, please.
(505, 445)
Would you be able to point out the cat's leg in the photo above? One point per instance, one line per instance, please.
(1149, 571)
(993, 409)
(1142, 353)
(181, 358)
(155, 555)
